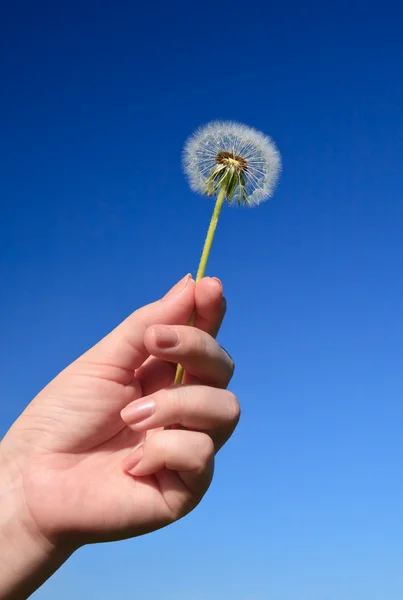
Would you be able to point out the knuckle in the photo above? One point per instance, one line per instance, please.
(198, 342)
(156, 444)
(177, 398)
(205, 452)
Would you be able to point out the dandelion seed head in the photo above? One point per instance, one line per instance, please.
(240, 158)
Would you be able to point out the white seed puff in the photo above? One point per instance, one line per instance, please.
(227, 153)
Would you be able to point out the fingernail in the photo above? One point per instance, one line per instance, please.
(179, 287)
(131, 462)
(138, 411)
(165, 337)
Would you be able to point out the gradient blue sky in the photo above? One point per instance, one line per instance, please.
(97, 99)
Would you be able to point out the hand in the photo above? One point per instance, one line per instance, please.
(91, 458)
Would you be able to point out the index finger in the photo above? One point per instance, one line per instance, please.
(210, 307)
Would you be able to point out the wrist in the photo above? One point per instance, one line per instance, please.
(27, 558)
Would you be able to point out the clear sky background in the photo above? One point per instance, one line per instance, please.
(97, 99)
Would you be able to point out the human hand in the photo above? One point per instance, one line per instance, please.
(82, 470)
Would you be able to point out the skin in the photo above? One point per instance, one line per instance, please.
(111, 449)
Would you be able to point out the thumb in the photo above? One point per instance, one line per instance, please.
(124, 347)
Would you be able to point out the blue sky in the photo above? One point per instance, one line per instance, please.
(97, 100)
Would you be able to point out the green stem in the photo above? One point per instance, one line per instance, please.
(203, 262)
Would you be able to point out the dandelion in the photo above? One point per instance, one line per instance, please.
(235, 163)
(235, 157)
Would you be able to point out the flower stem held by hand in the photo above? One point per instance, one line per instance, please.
(235, 162)
(203, 262)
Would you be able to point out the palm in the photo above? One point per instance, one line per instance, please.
(75, 472)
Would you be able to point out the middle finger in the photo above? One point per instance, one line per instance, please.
(195, 407)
